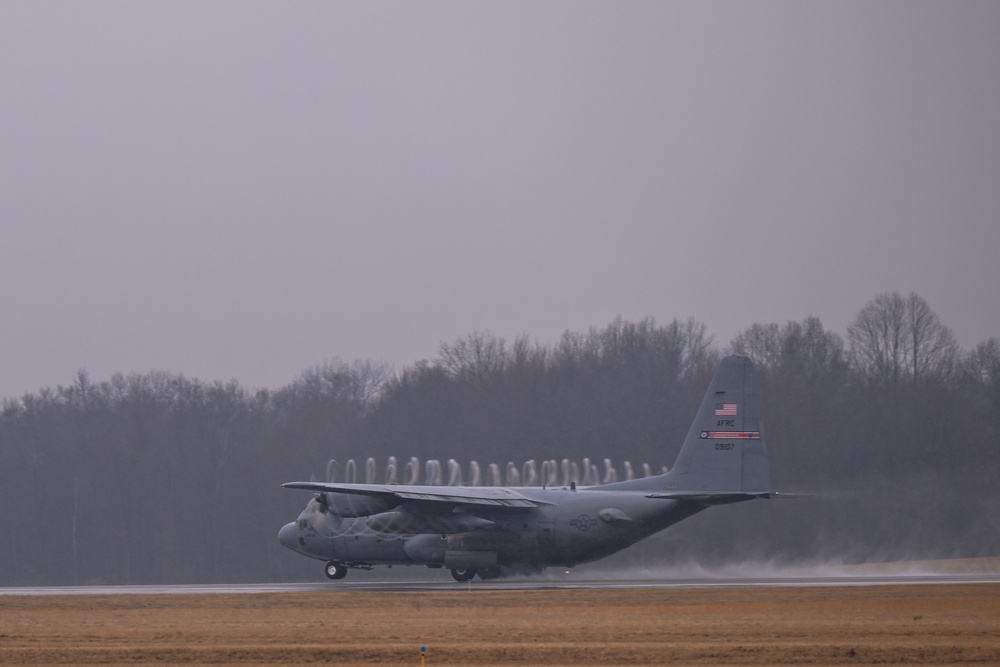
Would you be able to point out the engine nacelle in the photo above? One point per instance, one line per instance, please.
(429, 549)
(403, 523)
(355, 504)
(433, 550)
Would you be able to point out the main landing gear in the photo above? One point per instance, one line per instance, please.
(336, 570)
(463, 574)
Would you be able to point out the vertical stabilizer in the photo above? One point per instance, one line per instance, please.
(724, 452)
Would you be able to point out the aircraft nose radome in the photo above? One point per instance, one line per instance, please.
(289, 536)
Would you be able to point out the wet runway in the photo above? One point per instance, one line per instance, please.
(548, 583)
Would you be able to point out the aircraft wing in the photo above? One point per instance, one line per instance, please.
(495, 496)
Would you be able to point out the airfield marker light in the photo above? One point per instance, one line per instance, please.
(423, 653)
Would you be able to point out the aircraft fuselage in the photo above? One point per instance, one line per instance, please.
(566, 528)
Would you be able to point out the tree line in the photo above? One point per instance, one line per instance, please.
(893, 431)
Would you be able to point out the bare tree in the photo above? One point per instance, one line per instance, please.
(982, 371)
(478, 355)
(895, 337)
(931, 345)
(877, 337)
(760, 342)
(361, 382)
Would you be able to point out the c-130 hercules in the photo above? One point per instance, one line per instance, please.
(497, 531)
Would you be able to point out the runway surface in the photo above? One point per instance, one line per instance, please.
(509, 585)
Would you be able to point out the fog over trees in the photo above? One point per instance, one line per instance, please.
(160, 478)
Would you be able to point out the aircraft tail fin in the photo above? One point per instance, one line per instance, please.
(724, 459)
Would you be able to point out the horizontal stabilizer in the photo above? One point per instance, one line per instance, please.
(710, 498)
(725, 498)
(789, 496)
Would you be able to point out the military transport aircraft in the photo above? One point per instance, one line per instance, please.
(496, 531)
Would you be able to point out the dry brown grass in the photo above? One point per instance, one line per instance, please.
(932, 624)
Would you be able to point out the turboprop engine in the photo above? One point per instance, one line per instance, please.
(409, 523)
(354, 505)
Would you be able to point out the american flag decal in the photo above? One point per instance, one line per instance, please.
(725, 410)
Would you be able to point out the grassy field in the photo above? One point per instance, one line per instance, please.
(865, 625)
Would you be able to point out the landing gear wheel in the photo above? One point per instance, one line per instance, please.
(463, 573)
(335, 570)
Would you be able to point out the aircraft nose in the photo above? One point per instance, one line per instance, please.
(289, 536)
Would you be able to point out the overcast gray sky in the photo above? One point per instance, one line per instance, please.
(246, 189)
